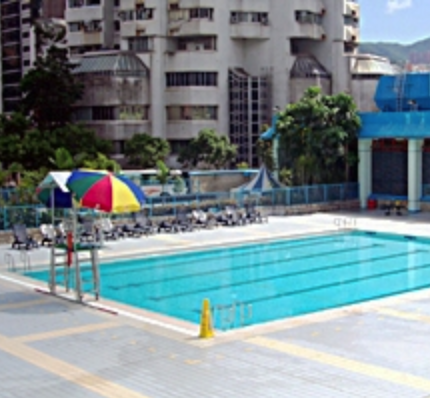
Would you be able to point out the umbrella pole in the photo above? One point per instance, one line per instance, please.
(53, 277)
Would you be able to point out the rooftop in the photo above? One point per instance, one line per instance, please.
(115, 64)
(307, 66)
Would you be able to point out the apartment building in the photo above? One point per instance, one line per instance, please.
(18, 43)
(174, 67)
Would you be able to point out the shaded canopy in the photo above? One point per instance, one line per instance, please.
(263, 181)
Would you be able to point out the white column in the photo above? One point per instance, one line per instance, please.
(414, 174)
(365, 170)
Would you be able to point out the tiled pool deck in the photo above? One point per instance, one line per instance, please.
(50, 347)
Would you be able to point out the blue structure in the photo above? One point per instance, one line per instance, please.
(394, 144)
(270, 135)
(263, 181)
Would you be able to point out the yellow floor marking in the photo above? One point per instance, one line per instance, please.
(75, 375)
(374, 371)
(22, 304)
(66, 332)
(193, 361)
(410, 316)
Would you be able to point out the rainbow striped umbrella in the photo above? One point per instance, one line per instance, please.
(105, 191)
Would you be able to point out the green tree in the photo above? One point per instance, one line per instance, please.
(163, 174)
(144, 151)
(208, 149)
(317, 135)
(242, 166)
(62, 160)
(101, 162)
(50, 90)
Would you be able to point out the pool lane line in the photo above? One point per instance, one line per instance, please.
(185, 261)
(347, 282)
(281, 276)
(254, 265)
(340, 362)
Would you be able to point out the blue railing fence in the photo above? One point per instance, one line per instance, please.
(33, 215)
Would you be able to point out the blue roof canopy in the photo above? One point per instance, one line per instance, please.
(395, 125)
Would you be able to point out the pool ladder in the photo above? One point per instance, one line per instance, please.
(11, 265)
(236, 314)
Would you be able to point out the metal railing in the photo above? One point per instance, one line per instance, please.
(34, 215)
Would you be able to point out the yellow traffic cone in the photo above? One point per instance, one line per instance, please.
(206, 330)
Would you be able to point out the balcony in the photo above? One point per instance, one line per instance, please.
(195, 4)
(312, 6)
(249, 30)
(192, 27)
(84, 13)
(351, 34)
(83, 38)
(188, 129)
(137, 28)
(308, 31)
(352, 9)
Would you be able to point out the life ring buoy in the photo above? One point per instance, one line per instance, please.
(69, 248)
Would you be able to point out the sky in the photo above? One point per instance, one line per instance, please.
(402, 21)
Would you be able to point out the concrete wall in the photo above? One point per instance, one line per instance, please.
(298, 86)
(218, 183)
(363, 91)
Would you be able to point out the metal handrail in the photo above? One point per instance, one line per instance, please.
(26, 261)
(10, 262)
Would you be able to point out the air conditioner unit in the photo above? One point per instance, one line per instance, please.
(234, 20)
(265, 21)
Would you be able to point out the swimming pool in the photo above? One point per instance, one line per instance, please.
(267, 281)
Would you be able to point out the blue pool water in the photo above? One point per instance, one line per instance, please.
(262, 282)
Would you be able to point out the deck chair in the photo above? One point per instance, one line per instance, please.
(108, 230)
(183, 223)
(200, 219)
(252, 215)
(167, 226)
(88, 233)
(49, 236)
(21, 238)
(145, 224)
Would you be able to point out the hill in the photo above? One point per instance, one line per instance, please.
(397, 53)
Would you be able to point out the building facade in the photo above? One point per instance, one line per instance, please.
(18, 43)
(221, 65)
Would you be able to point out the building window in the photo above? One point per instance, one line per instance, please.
(350, 21)
(177, 146)
(118, 147)
(253, 17)
(192, 112)
(103, 113)
(133, 112)
(143, 14)
(93, 2)
(74, 26)
(140, 44)
(201, 13)
(197, 44)
(25, 35)
(305, 17)
(185, 79)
